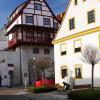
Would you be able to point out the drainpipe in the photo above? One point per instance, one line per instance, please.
(20, 67)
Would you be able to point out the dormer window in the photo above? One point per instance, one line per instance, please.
(37, 6)
(29, 19)
(75, 2)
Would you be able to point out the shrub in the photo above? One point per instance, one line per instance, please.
(39, 90)
(84, 95)
(30, 89)
(59, 87)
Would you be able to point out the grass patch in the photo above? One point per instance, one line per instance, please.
(84, 95)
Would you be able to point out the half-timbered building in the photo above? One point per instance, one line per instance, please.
(30, 30)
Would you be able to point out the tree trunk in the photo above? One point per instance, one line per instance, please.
(92, 82)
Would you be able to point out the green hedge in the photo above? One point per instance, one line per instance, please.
(40, 89)
(84, 95)
(43, 89)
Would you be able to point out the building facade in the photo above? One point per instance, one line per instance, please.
(9, 68)
(80, 27)
(30, 30)
(3, 39)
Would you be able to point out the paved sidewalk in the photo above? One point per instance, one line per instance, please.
(47, 96)
(10, 91)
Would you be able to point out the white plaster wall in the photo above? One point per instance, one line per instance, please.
(31, 11)
(79, 12)
(27, 55)
(17, 21)
(10, 58)
(24, 19)
(35, 20)
(71, 59)
(40, 20)
(46, 13)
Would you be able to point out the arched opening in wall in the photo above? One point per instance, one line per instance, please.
(11, 78)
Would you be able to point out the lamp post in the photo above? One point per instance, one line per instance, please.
(34, 67)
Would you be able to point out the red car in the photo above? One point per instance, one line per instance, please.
(45, 82)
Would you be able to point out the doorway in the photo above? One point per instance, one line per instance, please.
(0, 81)
(11, 78)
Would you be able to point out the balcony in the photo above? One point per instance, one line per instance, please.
(12, 42)
(37, 41)
(30, 40)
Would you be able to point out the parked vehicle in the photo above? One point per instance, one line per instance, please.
(45, 82)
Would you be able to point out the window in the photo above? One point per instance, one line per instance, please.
(29, 19)
(91, 16)
(37, 6)
(75, 2)
(63, 71)
(77, 46)
(46, 21)
(5, 76)
(63, 49)
(78, 71)
(46, 51)
(10, 65)
(29, 36)
(36, 50)
(71, 23)
(84, 0)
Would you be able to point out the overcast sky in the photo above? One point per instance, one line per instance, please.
(7, 6)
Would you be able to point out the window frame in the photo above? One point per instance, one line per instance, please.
(45, 52)
(29, 21)
(75, 2)
(63, 53)
(36, 51)
(89, 20)
(38, 8)
(65, 70)
(78, 47)
(78, 66)
(71, 23)
(46, 21)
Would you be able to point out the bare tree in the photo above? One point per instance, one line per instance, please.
(91, 55)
